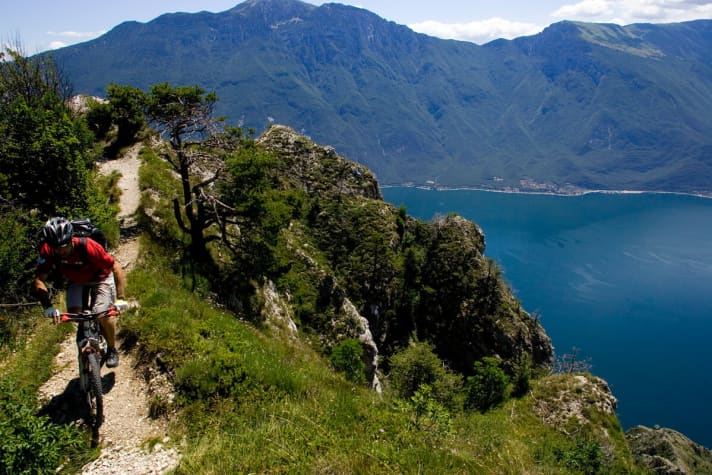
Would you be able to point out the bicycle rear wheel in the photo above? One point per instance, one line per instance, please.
(95, 395)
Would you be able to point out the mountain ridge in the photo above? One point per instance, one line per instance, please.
(595, 106)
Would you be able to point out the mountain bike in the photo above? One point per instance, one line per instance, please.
(92, 348)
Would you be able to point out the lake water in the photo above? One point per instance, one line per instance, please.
(625, 278)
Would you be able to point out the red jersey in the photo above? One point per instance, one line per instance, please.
(91, 266)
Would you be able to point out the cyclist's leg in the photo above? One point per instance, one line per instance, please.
(103, 296)
(75, 298)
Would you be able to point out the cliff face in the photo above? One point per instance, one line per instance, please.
(374, 273)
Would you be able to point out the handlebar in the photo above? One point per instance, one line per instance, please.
(86, 316)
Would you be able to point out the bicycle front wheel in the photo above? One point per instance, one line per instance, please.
(95, 395)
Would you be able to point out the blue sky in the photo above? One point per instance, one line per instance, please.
(39, 25)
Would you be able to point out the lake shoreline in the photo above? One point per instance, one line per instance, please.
(572, 192)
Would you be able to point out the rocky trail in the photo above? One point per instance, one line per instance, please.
(131, 441)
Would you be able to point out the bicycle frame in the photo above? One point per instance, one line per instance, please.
(92, 339)
(92, 350)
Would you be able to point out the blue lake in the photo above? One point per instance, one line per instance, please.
(625, 278)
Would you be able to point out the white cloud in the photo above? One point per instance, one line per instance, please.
(586, 8)
(635, 11)
(66, 38)
(477, 31)
(77, 35)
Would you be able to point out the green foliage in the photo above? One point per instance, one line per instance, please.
(183, 116)
(43, 154)
(45, 158)
(522, 374)
(99, 118)
(417, 365)
(347, 357)
(126, 106)
(181, 112)
(488, 288)
(156, 178)
(586, 456)
(261, 206)
(428, 417)
(17, 257)
(487, 386)
(580, 455)
(217, 374)
(31, 443)
(103, 205)
(213, 354)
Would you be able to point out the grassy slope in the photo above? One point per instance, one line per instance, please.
(251, 402)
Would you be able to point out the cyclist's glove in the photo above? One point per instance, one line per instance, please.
(121, 305)
(51, 312)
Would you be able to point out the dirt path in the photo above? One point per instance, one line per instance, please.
(127, 426)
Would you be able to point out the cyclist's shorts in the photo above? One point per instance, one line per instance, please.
(95, 296)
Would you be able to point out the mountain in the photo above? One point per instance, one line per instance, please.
(593, 106)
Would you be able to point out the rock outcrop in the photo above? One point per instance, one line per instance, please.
(668, 452)
(318, 169)
(360, 255)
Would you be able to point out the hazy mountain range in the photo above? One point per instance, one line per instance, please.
(590, 105)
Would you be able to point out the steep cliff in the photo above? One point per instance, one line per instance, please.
(361, 268)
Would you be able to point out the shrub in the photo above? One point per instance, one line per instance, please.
(347, 357)
(30, 443)
(426, 416)
(487, 387)
(219, 373)
(418, 365)
(582, 455)
(98, 118)
(522, 374)
(17, 255)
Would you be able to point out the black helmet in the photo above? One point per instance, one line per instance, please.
(57, 231)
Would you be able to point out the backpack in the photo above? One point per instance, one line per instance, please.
(84, 228)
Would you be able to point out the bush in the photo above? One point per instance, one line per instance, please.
(427, 418)
(219, 373)
(522, 374)
(418, 365)
(17, 255)
(487, 387)
(98, 118)
(30, 443)
(585, 456)
(347, 357)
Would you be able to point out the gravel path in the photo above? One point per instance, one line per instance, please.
(131, 441)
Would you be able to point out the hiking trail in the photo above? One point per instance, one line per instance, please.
(131, 442)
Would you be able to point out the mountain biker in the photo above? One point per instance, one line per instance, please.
(92, 274)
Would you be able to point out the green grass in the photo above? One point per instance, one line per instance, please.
(32, 443)
(252, 403)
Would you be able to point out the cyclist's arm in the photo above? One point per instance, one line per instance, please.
(41, 291)
(120, 280)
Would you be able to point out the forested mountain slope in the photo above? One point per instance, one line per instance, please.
(578, 105)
